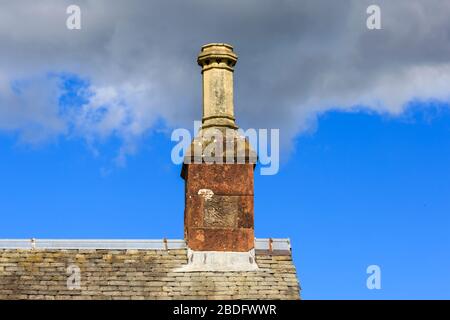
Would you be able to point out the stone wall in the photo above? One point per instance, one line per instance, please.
(139, 274)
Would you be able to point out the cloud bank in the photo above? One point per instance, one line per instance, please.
(134, 62)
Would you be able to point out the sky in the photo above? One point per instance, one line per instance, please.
(86, 117)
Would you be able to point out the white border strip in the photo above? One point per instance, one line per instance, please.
(273, 244)
(260, 244)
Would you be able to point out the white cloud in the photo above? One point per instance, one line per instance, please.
(296, 59)
(31, 109)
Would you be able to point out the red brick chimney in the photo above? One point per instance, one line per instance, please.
(218, 194)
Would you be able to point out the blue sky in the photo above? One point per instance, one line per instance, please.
(363, 188)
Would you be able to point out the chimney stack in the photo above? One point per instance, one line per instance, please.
(219, 195)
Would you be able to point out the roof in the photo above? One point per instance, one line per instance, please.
(159, 244)
(137, 269)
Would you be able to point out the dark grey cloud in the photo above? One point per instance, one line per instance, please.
(297, 59)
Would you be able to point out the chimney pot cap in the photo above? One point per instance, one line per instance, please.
(217, 55)
(217, 44)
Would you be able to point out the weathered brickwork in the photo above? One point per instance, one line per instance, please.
(222, 218)
(138, 274)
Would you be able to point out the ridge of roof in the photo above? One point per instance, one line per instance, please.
(280, 244)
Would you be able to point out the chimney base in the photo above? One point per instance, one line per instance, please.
(219, 261)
